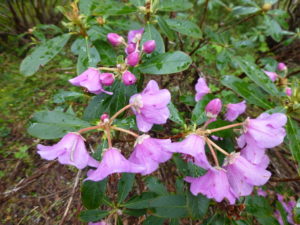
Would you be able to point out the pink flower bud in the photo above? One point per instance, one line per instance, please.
(130, 48)
(288, 91)
(149, 46)
(104, 117)
(213, 108)
(133, 59)
(272, 75)
(114, 39)
(128, 78)
(107, 79)
(281, 66)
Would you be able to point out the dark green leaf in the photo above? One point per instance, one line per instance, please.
(125, 185)
(252, 95)
(197, 205)
(113, 8)
(141, 201)
(92, 193)
(156, 186)
(165, 28)
(54, 124)
(293, 136)
(126, 123)
(107, 53)
(61, 96)
(151, 220)
(93, 215)
(109, 103)
(243, 10)
(175, 116)
(167, 63)
(174, 5)
(151, 33)
(42, 54)
(258, 76)
(199, 115)
(224, 133)
(88, 57)
(185, 27)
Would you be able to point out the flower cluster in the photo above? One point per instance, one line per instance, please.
(240, 172)
(94, 80)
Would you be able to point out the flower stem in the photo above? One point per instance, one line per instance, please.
(216, 146)
(213, 153)
(107, 69)
(224, 128)
(107, 131)
(89, 128)
(119, 112)
(125, 131)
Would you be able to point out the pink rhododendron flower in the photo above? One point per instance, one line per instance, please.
(201, 89)
(272, 75)
(107, 79)
(193, 145)
(149, 152)
(281, 66)
(98, 223)
(115, 39)
(90, 79)
(266, 131)
(243, 175)
(133, 58)
(113, 162)
(150, 106)
(130, 48)
(128, 78)
(234, 110)
(70, 150)
(288, 91)
(214, 184)
(149, 46)
(213, 108)
(135, 35)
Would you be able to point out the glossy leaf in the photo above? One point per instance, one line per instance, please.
(93, 215)
(251, 94)
(141, 201)
(92, 193)
(165, 28)
(293, 138)
(54, 124)
(151, 33)
(197, 205)
(198, 114)
(109, 103)
(156, 186)
(185, 27)
(258, 76)
(174, 5)
(174, 114)
(167, 63)
(243, 10)
(125, 185)
(42, 54)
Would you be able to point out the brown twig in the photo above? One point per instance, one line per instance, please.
(285, 179)
(71, 197)
(204, 14)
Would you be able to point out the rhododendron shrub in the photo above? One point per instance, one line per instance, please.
(166, 136)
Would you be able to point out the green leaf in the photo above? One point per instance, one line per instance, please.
(174, 5)
(151, 220)
(54, 124)
(61, 96)
(224, 133)
(106, 52)
(113, 8)
(92, 193)
(293, 138)
(141, 201)
(243, 10)
(174, 114)
(88, 57)
(151, 33)
(166, 63)
(42, 54)
(198, 114)
(125, 185)
(93, 215)
(165, 28)
(197, 205)
(109, 103)
(258, 76)
(185, 27)
(251, 94)
(156, 186)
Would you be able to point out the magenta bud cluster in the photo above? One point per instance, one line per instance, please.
(128, 78)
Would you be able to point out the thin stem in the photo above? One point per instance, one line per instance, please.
(125, 131)
(224, 128)
(107, 69)
(213, 153)
(107, 131)
(119, 112)
(90, 128)
(217, 146)
(204, 14)
(87, 48)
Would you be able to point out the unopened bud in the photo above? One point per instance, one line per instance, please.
(104, 117)
(213, 108)
(149, 46)
(266, 7)
(100, 20)
(130, 48)
(128, 78)
(288, 91)
(115, 39)
(133, 59)
(281, 66)
(107, 79)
